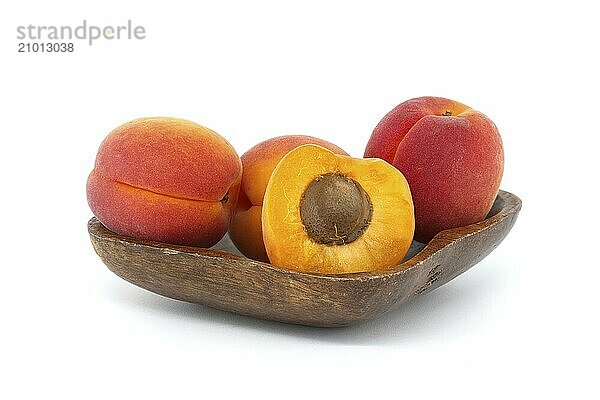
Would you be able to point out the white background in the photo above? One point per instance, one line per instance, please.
(521, 323)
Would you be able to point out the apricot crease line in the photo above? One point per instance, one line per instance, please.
(166, 195)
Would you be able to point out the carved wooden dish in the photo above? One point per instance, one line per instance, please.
(234, 283)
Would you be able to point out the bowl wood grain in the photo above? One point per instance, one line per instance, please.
(237, 284)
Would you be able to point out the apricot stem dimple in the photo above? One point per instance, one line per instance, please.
(447, 113)
(335, 209)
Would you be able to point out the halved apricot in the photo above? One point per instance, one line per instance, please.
(258, 164)
(333, 214)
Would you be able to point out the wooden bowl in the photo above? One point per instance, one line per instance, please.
(235, 283)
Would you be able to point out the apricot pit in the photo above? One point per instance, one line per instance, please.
(335, 209)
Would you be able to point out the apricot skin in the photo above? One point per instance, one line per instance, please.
(381, 245)
(258, 164)
(167, 180)
(453, 163)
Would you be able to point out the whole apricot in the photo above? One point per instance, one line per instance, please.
(165, 179)
(451, 155)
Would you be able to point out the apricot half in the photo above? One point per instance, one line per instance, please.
(329, 213)
(258, 164)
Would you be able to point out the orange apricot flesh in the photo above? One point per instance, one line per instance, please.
(333, 214)
(258, 163)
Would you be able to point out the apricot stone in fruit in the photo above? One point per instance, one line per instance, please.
(335, 209)
(329, 213)
(451, 155)
(258, 164)
(167, 180)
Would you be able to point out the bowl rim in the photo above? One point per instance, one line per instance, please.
(505, 204)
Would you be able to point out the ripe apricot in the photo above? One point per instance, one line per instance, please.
(258, 164)
(328, 213)
(451, 155)
(165, 179)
